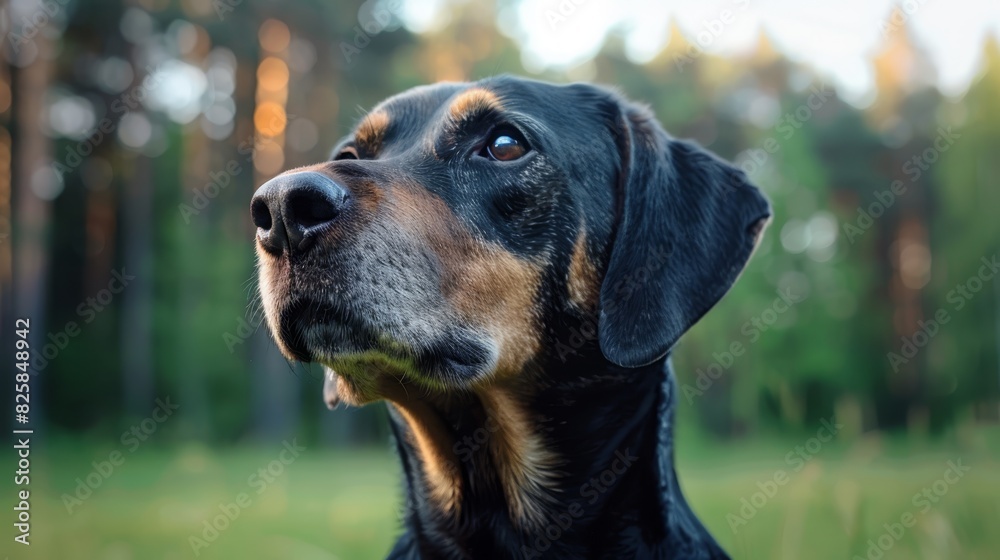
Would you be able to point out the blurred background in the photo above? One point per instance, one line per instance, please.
(133, 133)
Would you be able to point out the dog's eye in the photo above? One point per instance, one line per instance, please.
(505, 146)
(347, 153)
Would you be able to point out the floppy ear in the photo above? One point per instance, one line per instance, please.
(688, 223)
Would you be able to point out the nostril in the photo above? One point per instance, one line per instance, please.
(312, 207)
(260, 214)
(292, 210)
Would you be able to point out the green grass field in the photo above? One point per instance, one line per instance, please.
(330, 504)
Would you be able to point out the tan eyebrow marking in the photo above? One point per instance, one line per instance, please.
(473, 101)
(372, 129)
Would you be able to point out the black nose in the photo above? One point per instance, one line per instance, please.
(291, 209)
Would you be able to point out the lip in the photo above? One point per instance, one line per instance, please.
(328, 333)
(303, 314)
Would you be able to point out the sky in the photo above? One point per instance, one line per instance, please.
(836, 37)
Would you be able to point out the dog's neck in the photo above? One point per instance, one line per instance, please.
(581, 466)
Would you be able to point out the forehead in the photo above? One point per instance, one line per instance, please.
(455, 99)
(539, 106)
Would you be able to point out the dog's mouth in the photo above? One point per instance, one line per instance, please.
(345, 343)
(301, 321)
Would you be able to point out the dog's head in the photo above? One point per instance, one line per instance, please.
(459, 224)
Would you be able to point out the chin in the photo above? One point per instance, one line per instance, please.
(365, 365)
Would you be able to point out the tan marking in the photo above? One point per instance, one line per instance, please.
(525, 466)
(497, 290)
(472, 101)
(371, 130)
(582, 282)
(434, 447)
(488, 286)
(427, 433)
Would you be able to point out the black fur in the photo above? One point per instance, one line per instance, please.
(686, 227)
(668, 228)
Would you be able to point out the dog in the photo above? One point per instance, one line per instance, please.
(508, 263)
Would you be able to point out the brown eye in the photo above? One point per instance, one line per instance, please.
(347, 153)
(506, 147)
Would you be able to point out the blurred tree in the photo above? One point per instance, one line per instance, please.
(283, 82)
(964, 359)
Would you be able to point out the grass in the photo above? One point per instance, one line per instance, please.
(329, 504)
